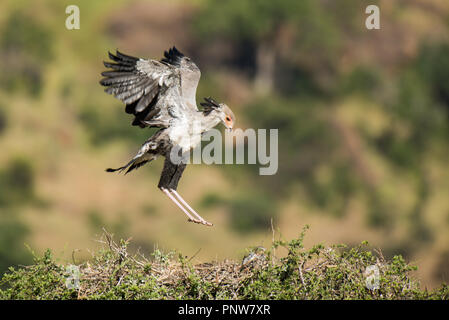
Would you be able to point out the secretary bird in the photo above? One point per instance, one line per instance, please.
(162, 94)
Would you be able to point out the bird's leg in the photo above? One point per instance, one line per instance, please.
(189, 207)
(192, 219)
(177, 203)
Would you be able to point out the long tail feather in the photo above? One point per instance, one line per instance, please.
(122, 168)
(135, 163)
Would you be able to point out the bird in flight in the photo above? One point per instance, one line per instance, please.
(162, 94)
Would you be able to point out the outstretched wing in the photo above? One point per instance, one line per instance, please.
(150, 89)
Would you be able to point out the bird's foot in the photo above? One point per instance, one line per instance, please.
(204, 222)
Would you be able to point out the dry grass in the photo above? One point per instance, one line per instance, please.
(319, 273)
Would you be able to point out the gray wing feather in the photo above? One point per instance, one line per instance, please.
(147, 87)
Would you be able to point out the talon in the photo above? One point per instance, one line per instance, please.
(199, 219)
(200, 222)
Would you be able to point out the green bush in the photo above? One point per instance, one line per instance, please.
(321, 272)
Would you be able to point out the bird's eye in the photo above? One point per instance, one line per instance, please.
(228, 119)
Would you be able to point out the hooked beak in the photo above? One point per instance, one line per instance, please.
(228, 125)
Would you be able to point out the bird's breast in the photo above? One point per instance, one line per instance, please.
(184, 136)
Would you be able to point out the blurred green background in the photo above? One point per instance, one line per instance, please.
(363, 119)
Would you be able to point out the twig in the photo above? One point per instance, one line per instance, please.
(73, 255)
(300, 274)
(194, 255)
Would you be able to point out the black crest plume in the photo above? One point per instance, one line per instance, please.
(173, 57)
(209, 105)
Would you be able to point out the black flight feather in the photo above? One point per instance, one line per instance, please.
(173, 56)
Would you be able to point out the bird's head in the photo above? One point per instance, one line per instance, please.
(219, 110)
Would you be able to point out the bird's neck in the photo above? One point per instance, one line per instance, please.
(209, 121)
